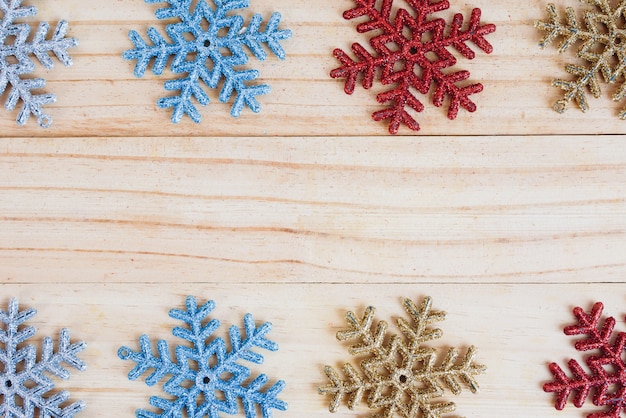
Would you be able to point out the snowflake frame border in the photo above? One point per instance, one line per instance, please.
(205, 377)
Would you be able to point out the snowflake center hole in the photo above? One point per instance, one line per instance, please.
(8, 383)
(206, 380)
(413, 50)
(206, 43)
(403, 378)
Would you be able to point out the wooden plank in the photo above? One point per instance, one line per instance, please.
(517, 329)
(517, 99)
(323, 209)
(509, 217)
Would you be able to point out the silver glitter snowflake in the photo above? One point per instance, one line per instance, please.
(24, 386)
(15, 61)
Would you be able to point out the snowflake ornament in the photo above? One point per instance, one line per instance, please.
(15, 62)
(24, 386)
(607, 367)
(400, 374)
(208, 46)
(206, 378)
(603, 36)
(412, 53)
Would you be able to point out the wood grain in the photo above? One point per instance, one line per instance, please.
(508, 217)
(318, 209)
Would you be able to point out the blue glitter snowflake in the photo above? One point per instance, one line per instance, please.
(207, 45)
(206, 378)
(23, 383)
(15, 61)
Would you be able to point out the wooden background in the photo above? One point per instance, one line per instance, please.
(508, 217)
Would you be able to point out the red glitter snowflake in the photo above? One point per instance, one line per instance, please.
(415, 61)
(608, 369)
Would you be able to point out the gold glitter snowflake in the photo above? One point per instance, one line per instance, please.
(603, 36)
(400, 375)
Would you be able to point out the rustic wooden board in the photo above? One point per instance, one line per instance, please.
(508, 217)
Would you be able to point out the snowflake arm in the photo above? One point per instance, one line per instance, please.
(40, 47)
(570, 31)
(21, 366)
(272, 36)
(354, 387)
(143, 53)
(145, 360)
(226, 376)
(429, 57)
(608, 382)
(204, 59)
(401, 98)
(600, 48)
(397, 368)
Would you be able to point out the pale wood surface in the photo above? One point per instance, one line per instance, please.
(302, 212)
